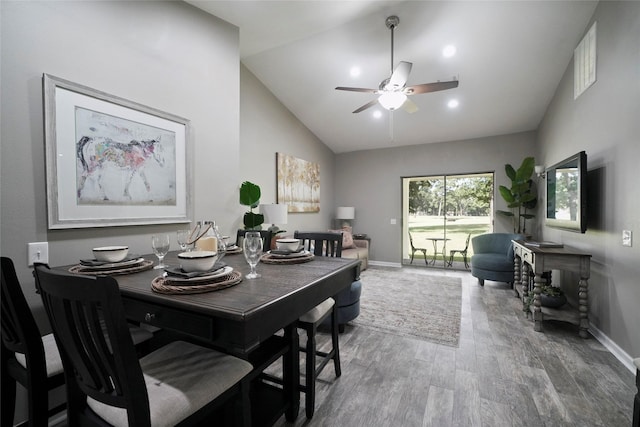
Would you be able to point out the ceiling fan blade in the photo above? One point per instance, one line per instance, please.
(367, 105)
(430, 87)
(357, 89)
(399, 76)
(409, 106)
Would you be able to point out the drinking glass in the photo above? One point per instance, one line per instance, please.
(182, 237)
(160, 245)
(252, 246)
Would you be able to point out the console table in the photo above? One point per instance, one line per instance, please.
(539, 260)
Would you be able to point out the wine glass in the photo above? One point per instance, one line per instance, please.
(252, 245)
(160, 245)
(183, 236)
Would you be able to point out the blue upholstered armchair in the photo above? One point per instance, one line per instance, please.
(493, 257)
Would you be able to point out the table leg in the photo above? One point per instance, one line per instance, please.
(583, 307)
(524, 285)
(537, 306)
(435, 251)
(517, 271)
(444, 251)
(291, 373)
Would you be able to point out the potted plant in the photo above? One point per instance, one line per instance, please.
(520, 197)
(550, 296)
(250, 196)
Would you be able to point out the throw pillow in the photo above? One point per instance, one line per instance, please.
(347, 239)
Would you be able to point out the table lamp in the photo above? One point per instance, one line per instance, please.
(274, 214)
(346, 214)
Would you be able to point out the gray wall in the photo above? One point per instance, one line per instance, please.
(267, 128)
(167, 55)
(371, 181)
(604, 122)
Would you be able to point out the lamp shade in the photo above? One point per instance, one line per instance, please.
(345, 212)
(274, 214)
(392, 100)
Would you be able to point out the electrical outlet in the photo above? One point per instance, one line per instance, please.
(626, 237)
(38, 252)
(393, 221)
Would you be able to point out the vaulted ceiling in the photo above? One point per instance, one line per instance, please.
(510, 57)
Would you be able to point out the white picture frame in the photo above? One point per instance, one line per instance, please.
(113, 162)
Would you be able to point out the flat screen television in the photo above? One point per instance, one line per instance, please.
(566, 194)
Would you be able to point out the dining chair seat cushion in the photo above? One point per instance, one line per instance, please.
(51, 355)
(180, 379)
(318, 312)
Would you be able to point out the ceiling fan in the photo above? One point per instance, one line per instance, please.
(393, 91)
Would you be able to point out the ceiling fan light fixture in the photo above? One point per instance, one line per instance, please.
(392, 100)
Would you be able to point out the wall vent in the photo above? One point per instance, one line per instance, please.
(584, 63)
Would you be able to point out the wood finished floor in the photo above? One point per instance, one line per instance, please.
(502, 374)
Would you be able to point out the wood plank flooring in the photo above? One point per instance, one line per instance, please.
(502, 374)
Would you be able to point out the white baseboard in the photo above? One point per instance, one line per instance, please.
(619, 353)
(385, 264)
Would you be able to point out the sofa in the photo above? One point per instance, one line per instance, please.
(359, 250)
(493, 257)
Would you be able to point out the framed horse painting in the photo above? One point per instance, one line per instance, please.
(111, 161)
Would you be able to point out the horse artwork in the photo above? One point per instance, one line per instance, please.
(119, 163)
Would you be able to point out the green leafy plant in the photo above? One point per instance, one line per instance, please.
(250, 196)
(548, 290)
(520, 197)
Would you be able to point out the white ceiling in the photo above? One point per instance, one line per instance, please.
(510, 58)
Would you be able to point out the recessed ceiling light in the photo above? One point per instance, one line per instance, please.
(355, 71)
(453, 103)
(449, 51)
(377, 114)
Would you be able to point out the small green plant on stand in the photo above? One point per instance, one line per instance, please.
(521, 196)
(250, 196)
(547, 290)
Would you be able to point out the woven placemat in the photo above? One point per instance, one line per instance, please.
(237, 250)
(82, 269)
(164, 286)
(270, 259)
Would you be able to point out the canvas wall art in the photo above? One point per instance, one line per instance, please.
(298, 183)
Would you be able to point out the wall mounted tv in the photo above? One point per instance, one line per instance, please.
(567, 194)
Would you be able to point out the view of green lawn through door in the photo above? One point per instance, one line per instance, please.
(441, 211)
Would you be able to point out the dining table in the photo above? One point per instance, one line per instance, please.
(435, 241)
(244, 319)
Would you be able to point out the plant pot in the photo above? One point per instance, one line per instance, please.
(552, 301)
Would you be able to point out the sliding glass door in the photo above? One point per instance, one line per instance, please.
(441, 212)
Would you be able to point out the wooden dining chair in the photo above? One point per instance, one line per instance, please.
(28, 358)
(415, 249)
(265, 234)
(177, 384)
(321, 244)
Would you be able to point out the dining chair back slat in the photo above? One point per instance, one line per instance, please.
(265, 234)
(106, 382)
(24, 355)
(327, 244)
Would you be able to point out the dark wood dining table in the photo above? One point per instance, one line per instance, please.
(243, 319)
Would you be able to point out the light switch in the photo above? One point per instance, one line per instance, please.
(38, 252)
(626, 237)
(393, 221)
